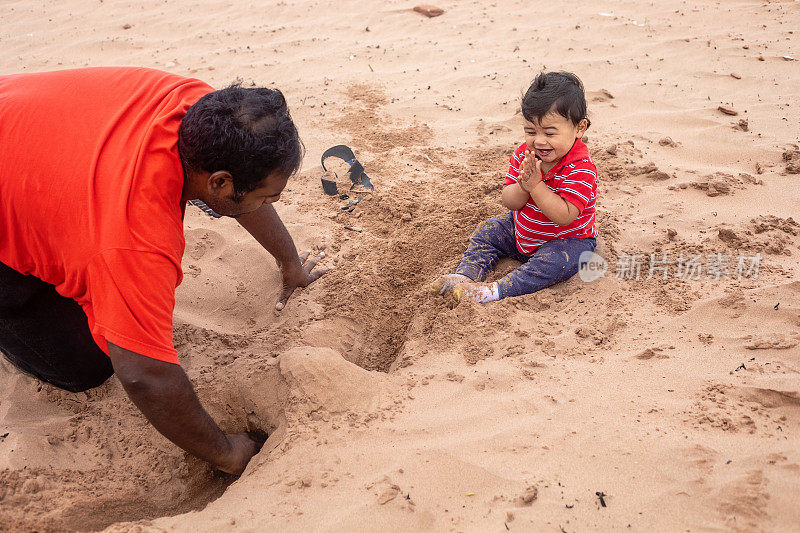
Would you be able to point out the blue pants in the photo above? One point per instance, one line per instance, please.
(553, 261)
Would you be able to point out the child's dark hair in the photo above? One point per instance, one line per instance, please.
(559, 91)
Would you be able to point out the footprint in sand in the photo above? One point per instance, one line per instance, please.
(775, 341)
(193, 270)
(654, 352)
(771, 398)
(743, 502)
(200, 242)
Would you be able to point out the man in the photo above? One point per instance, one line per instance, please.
(96, 167)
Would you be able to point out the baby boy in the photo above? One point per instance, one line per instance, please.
(550, 190)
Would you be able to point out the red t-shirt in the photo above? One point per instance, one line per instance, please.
(90, 188)
(574, 178)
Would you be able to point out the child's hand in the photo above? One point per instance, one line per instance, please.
(530, 174)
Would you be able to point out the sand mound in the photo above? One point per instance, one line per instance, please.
(100, 472)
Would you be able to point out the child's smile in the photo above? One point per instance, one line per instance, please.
(552, 137)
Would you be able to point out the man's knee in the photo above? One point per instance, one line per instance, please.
(64, 363)
(93, 373)
(86, 384)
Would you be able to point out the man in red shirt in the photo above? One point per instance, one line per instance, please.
(96, 168)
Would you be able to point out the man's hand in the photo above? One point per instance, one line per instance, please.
(242, 448)
(163, 393)
(297, 270)
(530, 175)
(300, 277)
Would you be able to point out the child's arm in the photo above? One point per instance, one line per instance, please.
(554, 207)
(514, 197)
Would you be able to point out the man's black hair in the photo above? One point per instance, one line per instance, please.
(246, 131)
(559, 91)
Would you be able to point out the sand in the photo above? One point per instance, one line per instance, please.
(621, 404)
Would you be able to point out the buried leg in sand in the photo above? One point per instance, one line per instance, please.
(550, 189)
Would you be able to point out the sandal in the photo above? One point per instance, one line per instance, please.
(356, 173)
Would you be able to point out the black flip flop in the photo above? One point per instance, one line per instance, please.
(356, 172)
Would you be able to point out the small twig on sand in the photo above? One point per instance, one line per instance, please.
(351, 228)
(602, 496)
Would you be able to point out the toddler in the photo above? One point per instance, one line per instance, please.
(550, 190)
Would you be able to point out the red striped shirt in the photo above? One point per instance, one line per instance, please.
(574, 178)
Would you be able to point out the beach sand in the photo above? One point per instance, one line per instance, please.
(621, 404)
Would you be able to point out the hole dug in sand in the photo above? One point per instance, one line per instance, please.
(101, 490)
(282, 396)
(103, 464)
(85, 461)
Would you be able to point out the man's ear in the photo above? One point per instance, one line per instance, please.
(220, 181)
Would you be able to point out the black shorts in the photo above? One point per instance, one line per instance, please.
(47, 335)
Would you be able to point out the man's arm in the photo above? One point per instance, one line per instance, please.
(165, 396)
(266, 227)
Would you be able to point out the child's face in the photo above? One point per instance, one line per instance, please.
(552, 137)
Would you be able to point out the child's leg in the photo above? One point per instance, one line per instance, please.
(553, 261)
(492, 240)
